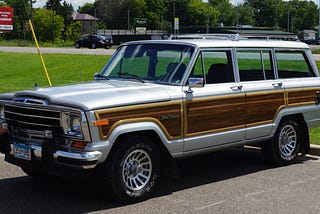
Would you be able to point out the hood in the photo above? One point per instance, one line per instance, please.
(100, 94)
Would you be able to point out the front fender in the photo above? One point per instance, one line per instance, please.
(175, 146)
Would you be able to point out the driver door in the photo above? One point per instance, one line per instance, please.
(214, 113)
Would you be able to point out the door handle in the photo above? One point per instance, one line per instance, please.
(237, 87)
(278, 84)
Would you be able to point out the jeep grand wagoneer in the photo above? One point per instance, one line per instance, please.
(157, 101)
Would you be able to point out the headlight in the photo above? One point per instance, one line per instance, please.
(72, 123)
(3, 125)
(1, 112)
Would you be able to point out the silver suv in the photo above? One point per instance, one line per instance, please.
(157, 101)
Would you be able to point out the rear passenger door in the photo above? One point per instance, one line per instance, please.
(214, 113)
(264, 93)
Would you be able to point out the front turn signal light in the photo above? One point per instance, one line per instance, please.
(101, 122)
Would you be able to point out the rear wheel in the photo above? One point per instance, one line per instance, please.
(93, 46)
(134, 171)
(284, 146)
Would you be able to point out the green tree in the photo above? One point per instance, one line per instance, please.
(48, 25)
(155, 14)
(226, 13)
(200, 13)
(267, 13)
(21, 14)
(3, 4)
(178, 9)
(63, 9)
(244, 15)
(73, 31)
(101, 10)
(299, 15)
(87, 8)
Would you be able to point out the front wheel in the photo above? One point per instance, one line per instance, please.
(134, 171)
(284, 146)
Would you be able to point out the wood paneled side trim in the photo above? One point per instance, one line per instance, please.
(167, 115)
(302, 96)
(262, 107)
(214, 114)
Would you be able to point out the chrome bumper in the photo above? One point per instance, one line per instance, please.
(82, 160)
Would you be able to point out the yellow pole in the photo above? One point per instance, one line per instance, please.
(41, 58)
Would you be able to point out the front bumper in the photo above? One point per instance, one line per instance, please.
(79, 160)
(47, 154)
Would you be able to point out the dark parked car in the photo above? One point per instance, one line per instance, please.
(94, 41)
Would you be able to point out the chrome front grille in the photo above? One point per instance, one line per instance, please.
(30, 121)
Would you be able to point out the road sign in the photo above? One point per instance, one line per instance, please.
(176, 23)
(6, 23)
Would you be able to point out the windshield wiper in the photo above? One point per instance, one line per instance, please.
(134, 76)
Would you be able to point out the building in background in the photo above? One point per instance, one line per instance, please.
(88, 22)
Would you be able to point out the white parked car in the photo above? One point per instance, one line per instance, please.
(157, 101)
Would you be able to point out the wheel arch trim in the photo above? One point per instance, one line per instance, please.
(173, 146)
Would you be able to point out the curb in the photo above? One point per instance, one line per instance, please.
(314, 149)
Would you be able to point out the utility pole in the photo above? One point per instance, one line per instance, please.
(31, 2)
(319, 19)
(128, 20)
(174, 17)
(53, 28)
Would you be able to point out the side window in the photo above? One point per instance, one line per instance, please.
(292, 64)
(198, 68)
(255, 65)
(216, 65)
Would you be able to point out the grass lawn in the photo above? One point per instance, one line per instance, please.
(315, 136)
(22, 70)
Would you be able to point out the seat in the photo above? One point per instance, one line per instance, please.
(219, 73)
(175, 72)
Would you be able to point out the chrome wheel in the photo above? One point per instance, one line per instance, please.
(137, 170)
(287, 141)
(134, 170)
(285, 145)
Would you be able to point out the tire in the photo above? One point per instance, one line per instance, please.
(77, 45)
(134, 171)
(93, 46)
(284, 147)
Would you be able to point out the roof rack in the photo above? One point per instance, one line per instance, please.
(235, 37)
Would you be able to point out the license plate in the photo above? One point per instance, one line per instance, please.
(22, 151)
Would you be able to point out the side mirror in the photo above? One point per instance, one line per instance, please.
(99, 76)
(195, 83)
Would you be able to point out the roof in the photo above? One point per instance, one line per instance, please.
(230, 43)
(83, 16)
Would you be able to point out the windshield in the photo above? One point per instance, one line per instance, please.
(149, 62)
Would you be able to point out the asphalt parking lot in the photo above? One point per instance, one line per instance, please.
(229, 181)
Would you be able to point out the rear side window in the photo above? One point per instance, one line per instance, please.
(255, 65)
(293, 64)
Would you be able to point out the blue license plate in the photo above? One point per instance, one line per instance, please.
(22, 151)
